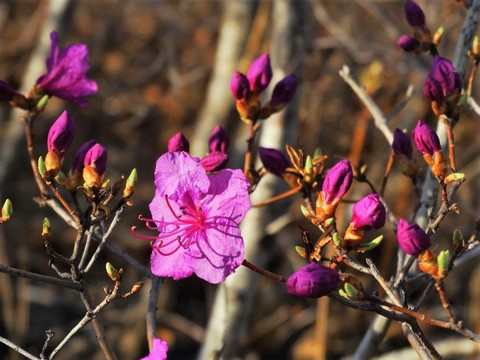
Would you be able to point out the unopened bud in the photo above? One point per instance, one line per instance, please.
(458, 242)
(301, 251)
(91, 177)
(46, 229)
(476, 46)
(371, 245)
(130, 185)
(453, 177)
(137, 287)
(112, 273)
(427, 263)
(7, 211)
(437, 37)
(41, 167)
(442, 260)
(42, 103)
(53, 163)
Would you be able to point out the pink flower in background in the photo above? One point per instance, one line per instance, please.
(197, 217)
(159, 350)
(66, 73)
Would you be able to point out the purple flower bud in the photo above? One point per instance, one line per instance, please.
(433, 90)
(96, 156)
(239, 86)
(414, 14)
(444, 72)
(219, 140)
(337, 181)
(66, 73)
(260, 73)
(408, 43)
(6, 91)
(274, 160)
(313, 281)
(368, 213)
(284, 91)
(178, 142)
(214, 161)
(411, 238)
(401, 144)
(79, 157)
(61, 133)
(426, 139)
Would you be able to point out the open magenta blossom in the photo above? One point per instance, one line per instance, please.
(426, 139)
(411, 238)
(197, 217)
(66, 73)
(313, 281)
(159, 350)
(61, 133)
(275, 161)
(337, 181)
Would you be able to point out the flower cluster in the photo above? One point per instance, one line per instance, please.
(247, 88)
(421, 39)
(218, 143)
(89, 161)
(197, 216)
(443, 86)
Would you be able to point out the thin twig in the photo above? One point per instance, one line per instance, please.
(41, 278)
(152, 309)
(18, 349)
(378, 117)
(104, 239)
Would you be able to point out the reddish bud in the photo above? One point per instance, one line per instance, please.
(61, 133)
(96, 157)
(313, 281)
(283, 92)
(433, 90)
(402, 145)
(411, 238)
(260, 73)
(274, 160)
(239, 86)
(444, 72)
(414, 14)
(368, 214)
(178, 142)
(408, 43)
(219, 140)
(214, 161)
(426, 139)
(337, 181)
(7, 93)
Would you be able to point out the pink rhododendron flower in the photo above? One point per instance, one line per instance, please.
(159, 350)
(66, 73)
(197, 217)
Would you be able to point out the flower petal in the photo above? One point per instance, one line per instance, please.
(227, 196)
(176, 173)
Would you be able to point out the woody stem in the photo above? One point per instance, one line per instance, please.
(263, 272)
(282, 196)
(387, 173)
(443, 299)
(451, 146)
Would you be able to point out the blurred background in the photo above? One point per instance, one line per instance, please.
(164, 66)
